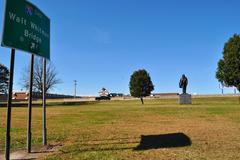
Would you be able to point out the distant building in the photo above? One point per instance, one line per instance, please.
(23, 96)
(116, 94)
(103, 92)
(164, 94)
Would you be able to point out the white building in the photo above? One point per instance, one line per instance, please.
(103, 92)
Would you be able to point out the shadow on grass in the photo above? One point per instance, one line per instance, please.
(147, 142)
(98, 145)
(112, 139)
(163, 141)
(110, 143)
(72, 103)
(23, 158)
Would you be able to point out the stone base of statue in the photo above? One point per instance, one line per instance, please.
(185, 98)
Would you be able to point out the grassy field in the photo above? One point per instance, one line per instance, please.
(160, 129)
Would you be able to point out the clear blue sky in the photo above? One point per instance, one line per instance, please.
(101, 42)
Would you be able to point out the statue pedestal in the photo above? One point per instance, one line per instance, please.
(185, 99)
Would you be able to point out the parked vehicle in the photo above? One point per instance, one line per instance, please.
(102, 98)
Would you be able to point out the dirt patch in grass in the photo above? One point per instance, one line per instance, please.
(36, 153)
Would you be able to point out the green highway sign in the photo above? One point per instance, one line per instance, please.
(26, 28)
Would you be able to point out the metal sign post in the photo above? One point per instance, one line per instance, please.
(9, 106)
(44, 103)
(29, 135)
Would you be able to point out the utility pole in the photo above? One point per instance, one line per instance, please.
(75, 88)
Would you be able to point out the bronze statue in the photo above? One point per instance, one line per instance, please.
(183, 84)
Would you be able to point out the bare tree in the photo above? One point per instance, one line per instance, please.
(51, 77)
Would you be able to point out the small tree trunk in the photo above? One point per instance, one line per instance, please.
(142, 100)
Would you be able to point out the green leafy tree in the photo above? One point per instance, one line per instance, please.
(4, 79)
(228, 71)
(140, 84)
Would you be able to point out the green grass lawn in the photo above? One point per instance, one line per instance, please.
(160, 129)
